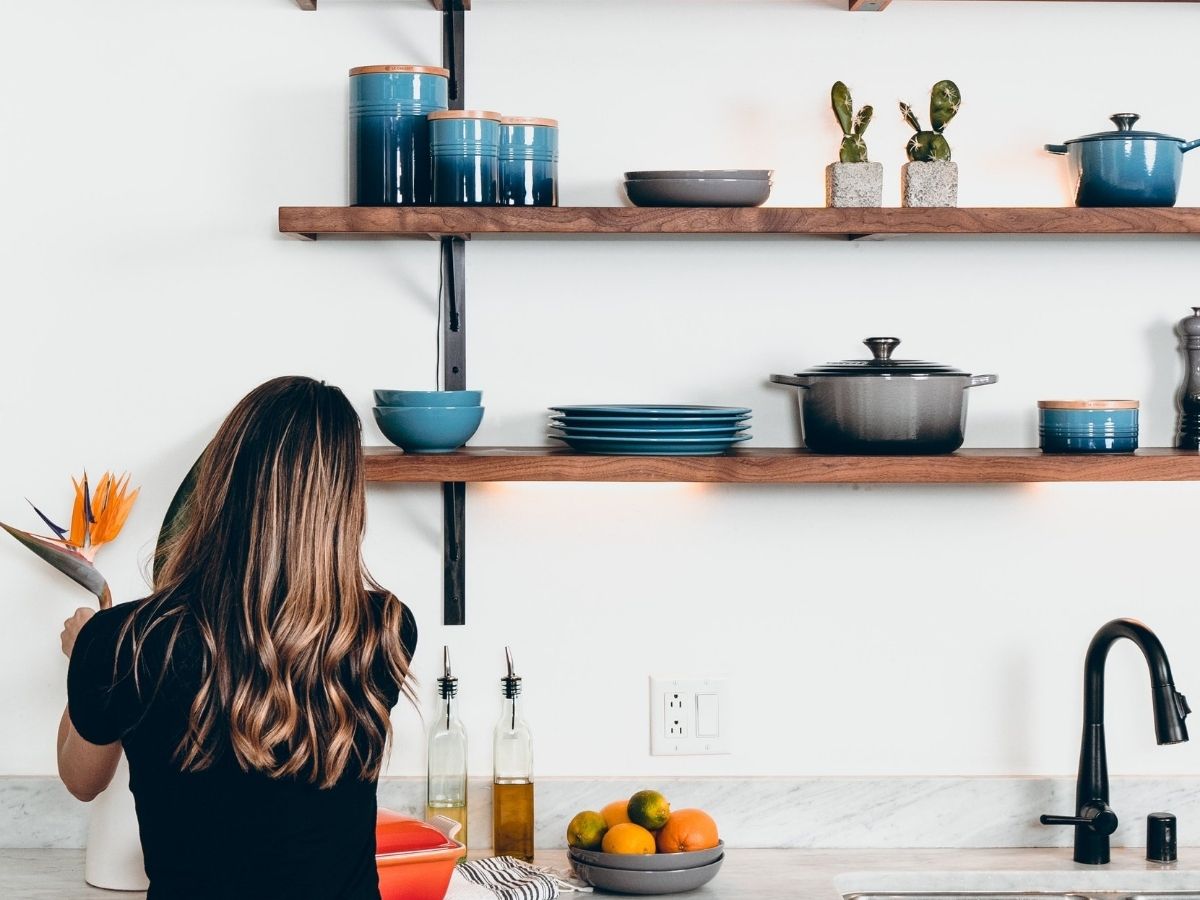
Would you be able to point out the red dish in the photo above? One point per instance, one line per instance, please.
(415, 859)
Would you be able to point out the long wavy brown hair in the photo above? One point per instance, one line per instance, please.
(267, 565)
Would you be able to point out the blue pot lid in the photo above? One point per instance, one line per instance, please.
(883, 364)
(1125, 132)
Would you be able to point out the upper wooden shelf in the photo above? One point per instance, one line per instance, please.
(852, 5)
(781, 466)
(444, 221)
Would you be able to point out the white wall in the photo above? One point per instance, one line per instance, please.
(884, 630)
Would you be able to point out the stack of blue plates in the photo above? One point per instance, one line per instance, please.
(650, 430)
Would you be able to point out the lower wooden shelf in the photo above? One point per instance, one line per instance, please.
(782, 466)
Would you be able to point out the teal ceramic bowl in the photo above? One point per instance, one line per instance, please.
(1088, 426)
(427, 398)
(428, 429)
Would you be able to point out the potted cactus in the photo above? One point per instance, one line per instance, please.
(853, 180)
(929, 178)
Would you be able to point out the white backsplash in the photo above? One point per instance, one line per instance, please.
(751, 812)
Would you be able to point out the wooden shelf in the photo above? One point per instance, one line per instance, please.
(782, 466)
(447, 221)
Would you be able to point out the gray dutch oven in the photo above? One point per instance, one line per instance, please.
(1125, 167)
(883, 405)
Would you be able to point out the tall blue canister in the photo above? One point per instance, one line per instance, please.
(389, 132)
(528, 161)
(466, 157)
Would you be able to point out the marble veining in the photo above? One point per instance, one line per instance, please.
(763, 874)
(752, 812)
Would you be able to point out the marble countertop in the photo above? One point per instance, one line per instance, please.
(766, 874)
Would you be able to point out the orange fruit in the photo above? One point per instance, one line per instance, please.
(688, 829)
(628, 838)
(615, 813)
(649, 809)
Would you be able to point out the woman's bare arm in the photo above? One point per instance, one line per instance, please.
(85, 768)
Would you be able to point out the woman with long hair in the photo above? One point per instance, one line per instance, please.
(251, 690)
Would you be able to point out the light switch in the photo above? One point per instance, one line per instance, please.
(708, 718)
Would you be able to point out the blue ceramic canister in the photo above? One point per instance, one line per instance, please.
(528, 161)
(1088, 426)
(389, 133)
(466, 157)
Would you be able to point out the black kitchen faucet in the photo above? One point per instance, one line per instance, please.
(1094, 821)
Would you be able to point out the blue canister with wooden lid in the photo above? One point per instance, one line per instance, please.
(389, 133)
(528, 161)
(465, 144)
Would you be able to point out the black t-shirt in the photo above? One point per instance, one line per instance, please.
(223, 833)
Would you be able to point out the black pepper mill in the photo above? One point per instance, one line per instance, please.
(1189, 396)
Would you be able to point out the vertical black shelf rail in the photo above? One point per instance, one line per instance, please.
(454, 344)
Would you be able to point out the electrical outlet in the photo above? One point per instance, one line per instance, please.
(690, 716)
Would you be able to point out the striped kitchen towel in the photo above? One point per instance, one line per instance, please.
(508, 879)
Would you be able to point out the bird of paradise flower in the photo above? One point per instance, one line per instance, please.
(96, 519)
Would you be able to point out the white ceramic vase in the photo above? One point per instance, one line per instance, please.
(113, 860)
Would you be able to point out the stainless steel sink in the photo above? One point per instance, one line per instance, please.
(1045, 895)
(968, 895)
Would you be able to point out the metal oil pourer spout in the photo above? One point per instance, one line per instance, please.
(511, 683)
(447, 683)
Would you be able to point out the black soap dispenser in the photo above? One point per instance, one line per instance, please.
(1189, 396)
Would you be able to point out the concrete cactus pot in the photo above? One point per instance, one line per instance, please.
(854, 184)
(929, 183)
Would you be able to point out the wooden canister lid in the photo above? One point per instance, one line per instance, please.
(528, 120)
(1088, 404)
(420, 70)
(466, 114)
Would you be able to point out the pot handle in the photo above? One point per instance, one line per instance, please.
(1060, 149)
(1190, 145)
(980, 380)
(797, 380)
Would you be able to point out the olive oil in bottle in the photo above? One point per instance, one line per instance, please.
(446, 786)
(512, 775)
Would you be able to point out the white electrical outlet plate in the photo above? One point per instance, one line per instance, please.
(690, 716)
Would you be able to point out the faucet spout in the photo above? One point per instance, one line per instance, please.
(1094, 821)
(1170, 707)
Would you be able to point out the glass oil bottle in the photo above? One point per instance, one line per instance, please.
(446, 786)
(512, 775)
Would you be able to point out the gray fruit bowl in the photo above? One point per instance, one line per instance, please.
(699, 191)
(626, 881)
(690, 174)
(649, 862)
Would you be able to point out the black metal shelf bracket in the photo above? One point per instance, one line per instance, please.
(453, 302)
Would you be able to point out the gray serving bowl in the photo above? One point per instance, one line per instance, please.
(650, 862)
(625, 881)
(699, 192)
(742, 174)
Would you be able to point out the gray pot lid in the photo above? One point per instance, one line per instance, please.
(1124, 132)
(883, 364)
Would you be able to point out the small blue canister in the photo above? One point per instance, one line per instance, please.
(528, 162)
(466, 157)
(389, 133)
(1088, 426)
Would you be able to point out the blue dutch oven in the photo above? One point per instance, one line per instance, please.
(1125, 167)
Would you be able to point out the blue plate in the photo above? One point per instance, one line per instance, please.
(652, 446)
(638, 410)
(716, 431)
(648, 421)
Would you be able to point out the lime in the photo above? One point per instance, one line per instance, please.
(586, 831)
(649, 809)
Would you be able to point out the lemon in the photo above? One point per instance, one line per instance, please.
(586, 831)
(628, 838)
(649, 809)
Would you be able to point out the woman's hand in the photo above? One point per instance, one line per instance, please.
(71, 629)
